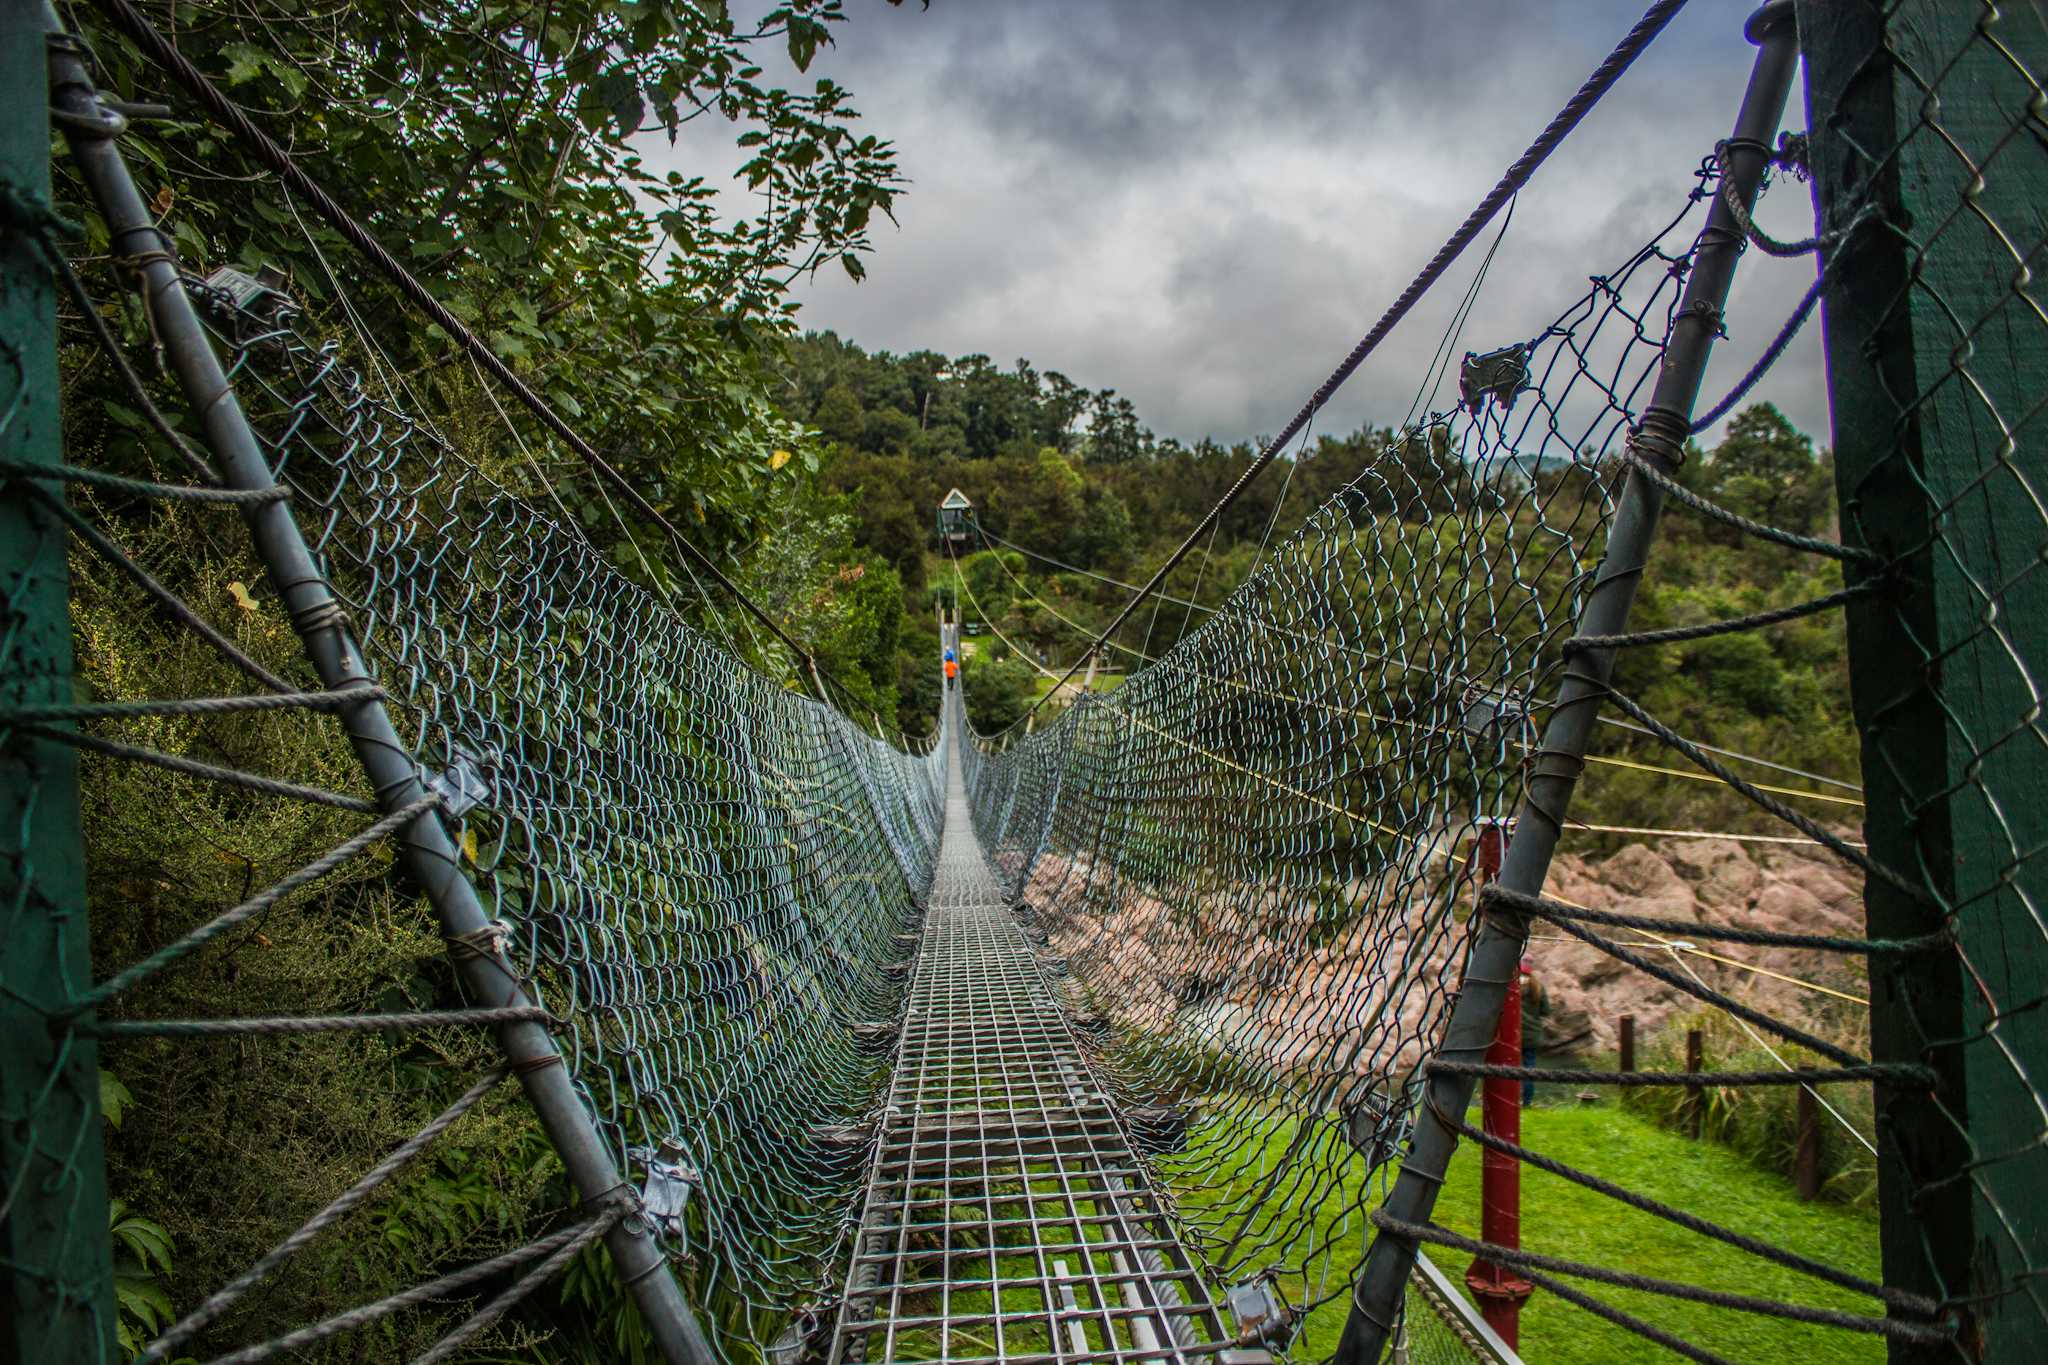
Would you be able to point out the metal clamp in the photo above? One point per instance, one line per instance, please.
(1496, 376)
(665, 1196)
(465, 784)
(1264, 1317)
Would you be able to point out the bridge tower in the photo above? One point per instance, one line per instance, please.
(956, 522)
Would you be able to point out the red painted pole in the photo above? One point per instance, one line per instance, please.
(1499, 1291)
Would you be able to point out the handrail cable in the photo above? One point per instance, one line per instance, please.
(1516, 176)
(1616, 722)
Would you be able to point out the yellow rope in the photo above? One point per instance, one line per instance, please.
(1673, 945)
(1462, 859)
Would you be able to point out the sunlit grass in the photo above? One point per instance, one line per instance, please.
(1563, 1219)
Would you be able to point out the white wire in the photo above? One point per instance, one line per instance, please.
(1854, 1131)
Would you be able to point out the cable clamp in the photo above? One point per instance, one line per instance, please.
(1496, 376)
(486, 944)
(1376, 1120)
(1493, 713)
(260, 297)
(1264, 1317)
(466, 783)
(665, 1194)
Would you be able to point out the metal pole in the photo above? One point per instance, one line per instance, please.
(58, 1300)
(1500, 1291)
(425, 849)
(1806, 1143)
(1660, 438)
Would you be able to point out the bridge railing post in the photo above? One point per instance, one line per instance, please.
(426, 850)
(59, 1295)
(1926, 127)
(1500, 1291)
(1658, 439)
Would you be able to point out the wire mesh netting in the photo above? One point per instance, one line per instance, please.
(695, 874)
(1248, 882)
(1929, 128)
(53, 1204)
(1256, 856)
(1439, 1326)
(1253, 856)
(705, 871)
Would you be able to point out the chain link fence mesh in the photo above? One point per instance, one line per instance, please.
(1251, 862)
(698, 874)
(1930, 124)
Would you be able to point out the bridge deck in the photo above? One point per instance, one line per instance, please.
(1007, 1216)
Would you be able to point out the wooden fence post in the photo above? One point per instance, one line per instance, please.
(1695, 1096)
(1806, 1144)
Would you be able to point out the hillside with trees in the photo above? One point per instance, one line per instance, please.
(1077, 497)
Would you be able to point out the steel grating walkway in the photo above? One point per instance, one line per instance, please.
(1007, 1216)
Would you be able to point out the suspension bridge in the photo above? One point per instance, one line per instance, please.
(1144, 1030)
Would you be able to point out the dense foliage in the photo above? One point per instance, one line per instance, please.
(1090, 499)
(496, 149)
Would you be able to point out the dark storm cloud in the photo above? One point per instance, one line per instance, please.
(1203, 205)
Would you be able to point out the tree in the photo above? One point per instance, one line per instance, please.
(885, 520)
(1101, 537)
(1060, 411)
(1765, 469)
(989, 583)
(997, 691)
(493, 149)
(866, 622)
(1114, 433)
(1036, 498)
(839, 417)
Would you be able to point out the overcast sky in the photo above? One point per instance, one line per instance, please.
(1204, 203)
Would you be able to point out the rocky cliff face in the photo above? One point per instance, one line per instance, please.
(1786, 888)
(1246, 972)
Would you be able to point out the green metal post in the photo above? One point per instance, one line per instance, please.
(1924, 111)
(58, 1302)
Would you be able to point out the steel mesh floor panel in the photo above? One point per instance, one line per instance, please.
(1008, 1217)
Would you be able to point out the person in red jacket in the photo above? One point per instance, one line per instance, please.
(952, 671)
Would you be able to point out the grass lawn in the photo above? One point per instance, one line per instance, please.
(1563, 1219)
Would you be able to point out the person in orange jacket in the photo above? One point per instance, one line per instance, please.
(952, 670)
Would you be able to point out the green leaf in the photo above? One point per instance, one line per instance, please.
(803, 41)
(245, 62)
(114, 1096)
(140, 1297)
(148, 1243)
